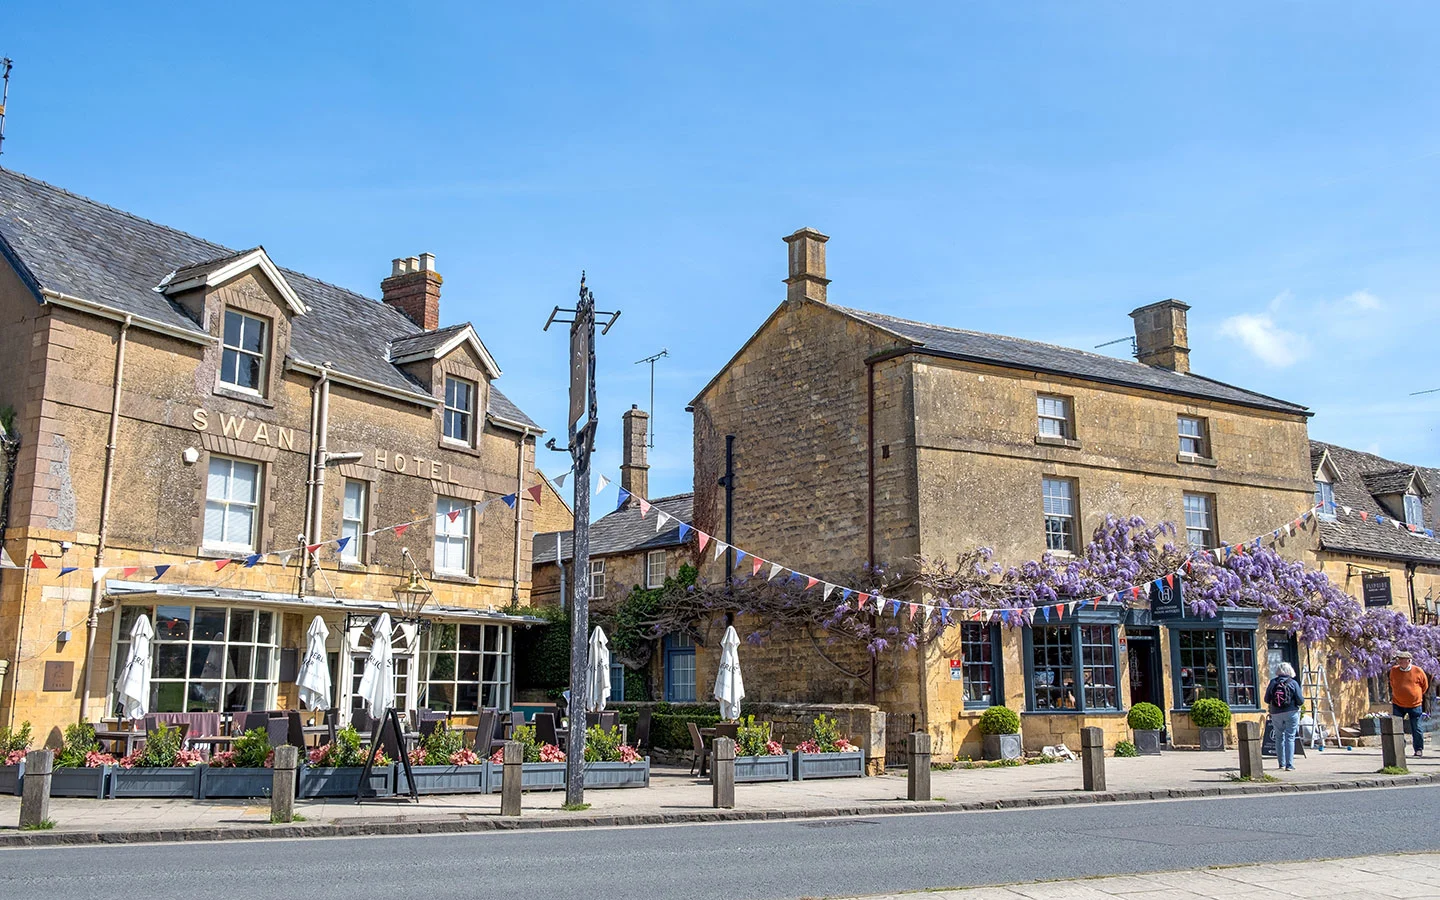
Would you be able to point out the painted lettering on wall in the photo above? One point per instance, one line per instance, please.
(419, 466)
(243, 429)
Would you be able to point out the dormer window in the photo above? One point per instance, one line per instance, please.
(1414, 511)
(1325, 498)
(242, 360)
(459, 410)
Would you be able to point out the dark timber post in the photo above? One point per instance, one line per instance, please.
(722, 774)
(510, 778)
(583, 406)
(35, 796)
(1392, 742)
(918, 766)
(1249, 733)
(1092, 757)
(282, 789)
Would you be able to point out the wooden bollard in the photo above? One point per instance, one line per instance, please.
(1092, 757)
(1392, 742)
(510, 776)
(722, 774)
(35, 799)
(282, 785)
(918, 766)
(1250, 737)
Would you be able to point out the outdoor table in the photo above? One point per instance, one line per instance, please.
(212, 742)
(129, 738)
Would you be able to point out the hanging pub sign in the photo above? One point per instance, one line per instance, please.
(1375, 589)
(1167, 598)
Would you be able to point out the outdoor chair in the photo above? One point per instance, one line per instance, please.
(485, 734)
(701, 753)
(279, 731)
(642, 729)
(362, 722)
(501, 731)
(545, 729)
(592, 719)
(332, 723)
(728, 729)
(517, 720)
(428, 726)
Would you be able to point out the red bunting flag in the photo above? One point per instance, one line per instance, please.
(1364, 516)
(453, 514)
(701, 538)
(1059, 610)
(400, 529)
(644, 507)
(860, 601)
(1135, 592)
(36, 562)
(128, 571)
(534, 493)
(1095, 603)
(755, 566)
(1170, 580)
(222, 563)
(913, 609)
(313, 547)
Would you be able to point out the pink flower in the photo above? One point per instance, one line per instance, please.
(223, 759)
(465, 758)
(808, 747)
(498, 757)
(628, 754)
(131, 761)
(187, 758)
(95, 759)
(551, 753)
(774, 748)
(843, 746)
(317, 754)
(14, 757)
(417, 756)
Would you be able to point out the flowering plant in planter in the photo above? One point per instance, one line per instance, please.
(443, 747)
(605, 746)
(164, 749)
(15, 744)
(81, 749)
(534, 751)
(825, 738)
(252, 751)
(344, 753)
(755, 740)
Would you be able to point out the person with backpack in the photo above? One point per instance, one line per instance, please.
(1284, 698)
(1408, 684)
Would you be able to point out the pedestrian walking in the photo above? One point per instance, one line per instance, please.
(1284, 698)
(1408, 684)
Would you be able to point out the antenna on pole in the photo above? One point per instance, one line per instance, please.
(1430, 391)
(8, 64)
(1134, 350)
(651, 360)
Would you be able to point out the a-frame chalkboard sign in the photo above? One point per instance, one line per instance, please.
(389, 736)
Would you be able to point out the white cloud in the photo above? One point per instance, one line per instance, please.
(1362, 300)
(1275, 346)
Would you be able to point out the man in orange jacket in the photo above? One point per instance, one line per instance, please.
(1408, 684)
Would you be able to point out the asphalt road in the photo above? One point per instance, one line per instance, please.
(831, 857)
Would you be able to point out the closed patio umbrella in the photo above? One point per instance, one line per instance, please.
(314, 677)
(729, 686)
(377, 685)
(133, 686)
(597, 673)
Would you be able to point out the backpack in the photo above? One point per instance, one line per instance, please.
(1282, 697)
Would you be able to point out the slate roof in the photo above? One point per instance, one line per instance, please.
(75, 246)
(1032, 355)
(425, 341)
(1391, 481)
(208, 266)
(622, 531)
(1349, 534)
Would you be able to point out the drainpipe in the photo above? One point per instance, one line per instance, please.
(319, 427)
(92, 622)
(519, 500)
(1410, 587)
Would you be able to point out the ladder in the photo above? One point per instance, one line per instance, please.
(1315, 685)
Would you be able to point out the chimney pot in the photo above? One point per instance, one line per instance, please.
(807, 279)
(634, 463)
(1162, 335)
(427, 262)
(414, 288)
(397, 267)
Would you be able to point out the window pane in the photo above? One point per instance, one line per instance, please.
(467, 697)
(470, 637)
(1052, 668)
(262, 635)
(233, 323)
(238, 660)
(168, 696)
(170, 660)
(172, 623)
(209, 624)
(207, 661)
(253, 339)
(245, 482)
(1097, 657)
(978, 663)
(354, 499)
(242, 625)
(1240, 668)
(1199, 655)
(203, 697)
(217, 479)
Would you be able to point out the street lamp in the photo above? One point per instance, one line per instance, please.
(412, 597)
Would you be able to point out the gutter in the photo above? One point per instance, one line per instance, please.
(315, 496)
(363, 383)
(55, 298)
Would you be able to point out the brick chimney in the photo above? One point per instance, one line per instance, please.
(1161, 338)
(634, 462)
(807, 266)
(414, 288)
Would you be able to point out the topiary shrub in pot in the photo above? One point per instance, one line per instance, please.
(1146, 721)
(1212, 717)
(1001, 729)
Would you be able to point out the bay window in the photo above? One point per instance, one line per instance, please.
(466, 668)
(206, 658)
(1215, 658)
(1073, 667)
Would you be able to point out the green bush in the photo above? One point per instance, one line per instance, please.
(999, 720)
(344, 753)
(542, 652)
(1209, 712)
(162, 746)
(1125, 748)
(602, 745)
(17, 740)
(79, 740)
(442, 743)
(668, 729)
(824, 732)
(252, 749)
(1146, 717)
(753, 738)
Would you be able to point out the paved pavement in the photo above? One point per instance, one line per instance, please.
(675, 795)
(847, 857)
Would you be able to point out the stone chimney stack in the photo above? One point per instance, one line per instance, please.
(414, 288)
(634, 461)
(807, 266)
(1161, 338)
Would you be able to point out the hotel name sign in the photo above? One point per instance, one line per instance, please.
(264, 434)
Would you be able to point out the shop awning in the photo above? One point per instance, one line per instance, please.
(192, 593)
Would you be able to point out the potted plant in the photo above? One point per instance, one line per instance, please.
(1212, 716)
(80, 769)
(826, 754)
(334, 770)
(442, 765)
(13, 747)
(244, 771)
(758, 757)
(1146, 720)
(542, 770)
(1001, 729)
(162, 768)
(608, 763)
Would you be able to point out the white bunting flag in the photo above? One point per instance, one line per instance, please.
(5, 561)
(660, 521)
(560, 482)
(775, 569)
(720, 547)
(644, 507)
(602, 484)
(1347, 510)
(98, 573)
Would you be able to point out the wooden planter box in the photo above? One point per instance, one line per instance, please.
(551, 776)
(314, 782)
(1147, 741)
(1004, 746)
(1212, 738)
(765, 768)
(10, 778)
(446, 779)
(850, 764)
(234, 781)
(169, 781)
(84, 781)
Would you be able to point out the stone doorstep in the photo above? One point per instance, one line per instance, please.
(467, 823)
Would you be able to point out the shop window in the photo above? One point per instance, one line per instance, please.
(1059, 503)
(1073, 667)
(232, 504)
(466, 668)
(206, 658)
(679, 668)
(980, 662)
(242, 354)
(1214, 662)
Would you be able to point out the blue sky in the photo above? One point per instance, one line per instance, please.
(1029, 169)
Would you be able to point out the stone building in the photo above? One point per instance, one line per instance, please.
(189, 418)
(630, 547)
(862, 438)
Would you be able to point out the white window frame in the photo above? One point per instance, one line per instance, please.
(462, 415)
(1199, 505)
(1325, 497)
(441, 665)
(1053, 510)
(353, 521)
(238, 351)
(654, 579)
(1414, 510)
(1199, 439)
(597, 579)
(221, 505)
(1054, 413)
(260, 656)
(450, 534)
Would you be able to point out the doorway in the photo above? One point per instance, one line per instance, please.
(1142, 646)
